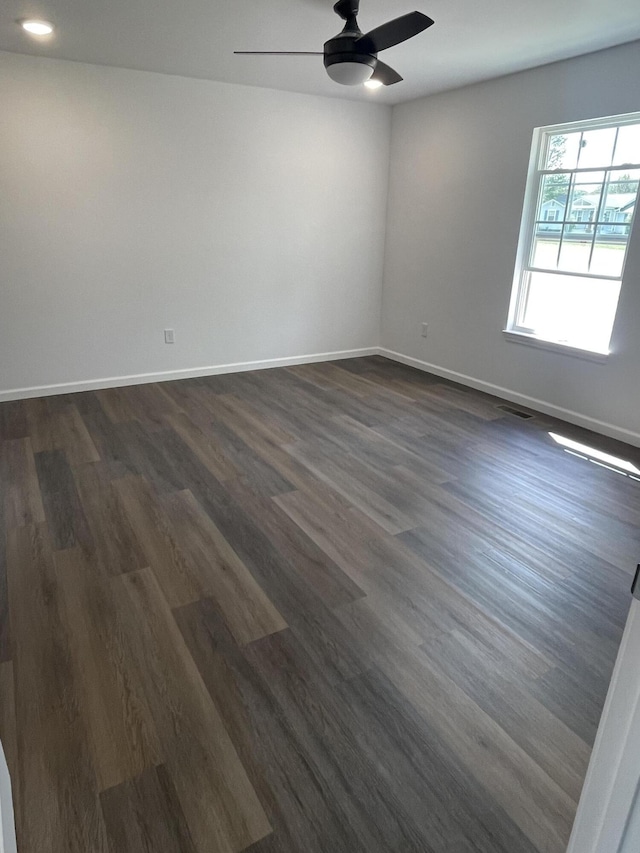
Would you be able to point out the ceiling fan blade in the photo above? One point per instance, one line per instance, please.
(278, 52)
(385, 74)
(394, 32)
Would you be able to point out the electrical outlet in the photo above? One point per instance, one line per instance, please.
(423, 331)
(169, 337)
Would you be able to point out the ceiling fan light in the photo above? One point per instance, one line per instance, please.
(37, 28)
(349, 73)
(373, 84)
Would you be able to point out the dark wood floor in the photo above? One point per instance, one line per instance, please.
(340, 607)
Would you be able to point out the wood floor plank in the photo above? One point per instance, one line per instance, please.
(571, 699)
(181, 390)
(116, 546)
(334, 473)
(74, 438)
(268, 398)
(41, 427)
(203, 445)
(405, 587)
(467, 813)
(121, 734)
(539, 505)
(221, 808)
(154, 531)
(306, 812)
(333, 585)
(535, 613)
(63, 509)
(476, 404)
(146, 456)
(329, 376)
(145, 814)
(21, 489)
(264, 437)
(247, 422)
(54, 423)
(378, 625)
(297, 602)
(393, 453)
(13, 420)
(223, 576)
(339, 528)
(496, 687)
(110, 446)
(116, 406)
(59, 807)
(150, 403)
(263, 476)
(384, 816)
(537, 804)
(192, 559)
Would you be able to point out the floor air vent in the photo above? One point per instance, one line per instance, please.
(525, 416)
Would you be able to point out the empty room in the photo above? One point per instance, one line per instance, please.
(319, 427)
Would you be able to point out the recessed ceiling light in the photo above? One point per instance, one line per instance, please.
(373, 84)
(37, 28)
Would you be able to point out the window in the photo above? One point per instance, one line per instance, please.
(582, 178)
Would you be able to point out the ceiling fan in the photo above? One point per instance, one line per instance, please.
(351, 57)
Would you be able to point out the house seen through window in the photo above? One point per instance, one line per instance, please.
(581, 198)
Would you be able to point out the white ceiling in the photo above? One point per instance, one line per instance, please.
(470, 41)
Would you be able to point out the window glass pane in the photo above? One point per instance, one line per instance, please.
(562, 151)
(622, 192)
(609, 249)
(628, 147)
(546, 243)
(554, 191)
(576, 248)
(596, 148)
(573, 310)
(585, 198)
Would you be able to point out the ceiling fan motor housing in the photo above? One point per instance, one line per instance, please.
(343, 48)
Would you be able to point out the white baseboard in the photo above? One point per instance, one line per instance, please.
(593, 424)
(185, 373)
(602, 427)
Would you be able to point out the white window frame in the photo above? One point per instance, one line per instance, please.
(516, 330)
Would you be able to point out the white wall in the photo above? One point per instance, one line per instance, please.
(458, 173)
(250, 221)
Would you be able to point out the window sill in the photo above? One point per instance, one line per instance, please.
(554, 346)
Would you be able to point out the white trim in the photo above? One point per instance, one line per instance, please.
(601, 427)
(566, 349)
(587, 169)
(594, 123)
(613, 776)
(570, 274)
(7, 823)
(184, 373)
(188, 373)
